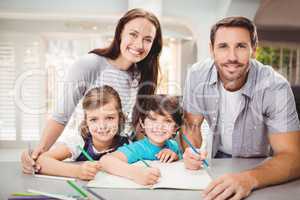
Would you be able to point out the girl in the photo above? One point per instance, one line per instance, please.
(159, 116)
(100, 131)
(130, 65)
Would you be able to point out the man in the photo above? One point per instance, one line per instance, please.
(250, 110)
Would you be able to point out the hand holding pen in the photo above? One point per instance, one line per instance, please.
(193, 159)
(28, 159)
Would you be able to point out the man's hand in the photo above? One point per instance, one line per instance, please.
(230, 186)
(192, 160)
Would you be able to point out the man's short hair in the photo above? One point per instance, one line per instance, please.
(238, 21)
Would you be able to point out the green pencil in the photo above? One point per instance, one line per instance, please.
(85, 153)
(25, 194)
(75, 187)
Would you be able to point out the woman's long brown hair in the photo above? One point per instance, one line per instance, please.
(149, 66)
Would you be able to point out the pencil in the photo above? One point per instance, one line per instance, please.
(75, 187)
(85, 153)
(193, 148)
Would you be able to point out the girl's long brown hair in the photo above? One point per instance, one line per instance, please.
(149, 66)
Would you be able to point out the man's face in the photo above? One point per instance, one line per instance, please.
(232, 51)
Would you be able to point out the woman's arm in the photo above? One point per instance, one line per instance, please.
(51, 132)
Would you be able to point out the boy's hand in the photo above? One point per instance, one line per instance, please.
(146, 175)
(167, 155)
(88, 170)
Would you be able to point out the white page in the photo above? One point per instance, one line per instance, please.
(173, 175)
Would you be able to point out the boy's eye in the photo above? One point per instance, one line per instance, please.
(151, 118)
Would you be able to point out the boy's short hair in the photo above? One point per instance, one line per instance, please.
(160, 104)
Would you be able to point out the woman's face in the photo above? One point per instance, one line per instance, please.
(103, 122)
(136, 40)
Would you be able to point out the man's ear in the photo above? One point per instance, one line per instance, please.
(211, 50)
(253, 55)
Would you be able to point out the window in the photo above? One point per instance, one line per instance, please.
(21, 90)
(31, 66)
(284, 58)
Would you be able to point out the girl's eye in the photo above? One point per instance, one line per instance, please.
(93, 119)
(110, 118)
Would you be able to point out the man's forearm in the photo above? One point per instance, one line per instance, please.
(278, 169)
(193, 133)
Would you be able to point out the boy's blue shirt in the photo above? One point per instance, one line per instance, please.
(144, 149)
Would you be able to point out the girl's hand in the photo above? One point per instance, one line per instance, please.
(146, 175)
(167, 155)
(88, 170)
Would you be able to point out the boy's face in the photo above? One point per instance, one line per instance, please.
(159, 128)
(103, 122)
(232, 51)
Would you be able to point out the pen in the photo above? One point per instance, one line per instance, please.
(94, 193)
(193, 148)
(85, 153)
(30, 152)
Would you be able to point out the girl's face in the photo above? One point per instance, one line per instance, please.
(159, 128)
(103, 122)
(136, 40)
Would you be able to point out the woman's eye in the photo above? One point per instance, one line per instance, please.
(133, 35)
(148, 40)
(110, 118)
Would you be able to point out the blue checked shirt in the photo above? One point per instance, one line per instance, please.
(267, 107)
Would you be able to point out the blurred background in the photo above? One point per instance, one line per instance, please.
(40, 39)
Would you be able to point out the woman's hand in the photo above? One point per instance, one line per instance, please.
(28, 160)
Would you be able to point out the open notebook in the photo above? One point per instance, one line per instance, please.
(173, 176)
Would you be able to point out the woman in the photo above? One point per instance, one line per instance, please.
(130, 65)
